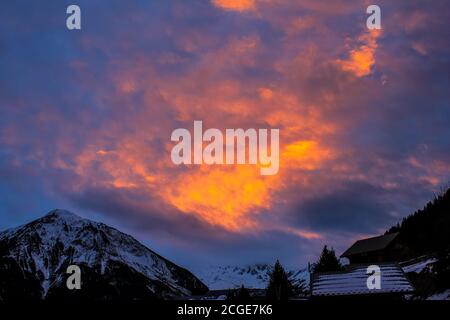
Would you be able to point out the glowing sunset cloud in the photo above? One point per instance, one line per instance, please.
(228, 197)
(307, 155)
(236, 5)
(86, 120)
(362, 59)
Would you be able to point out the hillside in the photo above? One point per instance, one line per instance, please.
(427, 230)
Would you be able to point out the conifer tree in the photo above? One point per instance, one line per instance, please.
(279, 287)
(327, 261)
(238, 295)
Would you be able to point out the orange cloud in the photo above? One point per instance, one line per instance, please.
(362, 59)
(303, 233)
(228, 196)
(124, 167)
(235, 5)
(221, 91)
(224, 196)
(306, 155)
(265, 93)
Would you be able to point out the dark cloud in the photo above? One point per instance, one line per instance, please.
(139, 212)
(356, 207)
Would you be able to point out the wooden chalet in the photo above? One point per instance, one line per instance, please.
(384, 251)
(386, 248)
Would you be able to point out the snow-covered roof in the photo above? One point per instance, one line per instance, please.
(353, 281)
(418, 264)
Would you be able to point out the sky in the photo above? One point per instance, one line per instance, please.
(86, 118)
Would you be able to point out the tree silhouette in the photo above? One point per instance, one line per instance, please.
(327, 261)
(238, 295)
(279, 288)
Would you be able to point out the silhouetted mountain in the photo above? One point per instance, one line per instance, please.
(34, 259)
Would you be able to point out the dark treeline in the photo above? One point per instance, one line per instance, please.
(427, 231)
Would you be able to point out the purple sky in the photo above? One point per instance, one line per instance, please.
(86, 117)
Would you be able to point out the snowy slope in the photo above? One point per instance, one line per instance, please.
(253, 276)
(45, 247)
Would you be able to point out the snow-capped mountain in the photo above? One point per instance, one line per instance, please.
(253, 276)
(34, 259)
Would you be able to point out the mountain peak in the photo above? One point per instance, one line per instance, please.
(62, 213)
(42, 249)
(58, 216)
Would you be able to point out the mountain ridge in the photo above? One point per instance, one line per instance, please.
(253, 276)
(114, 264)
